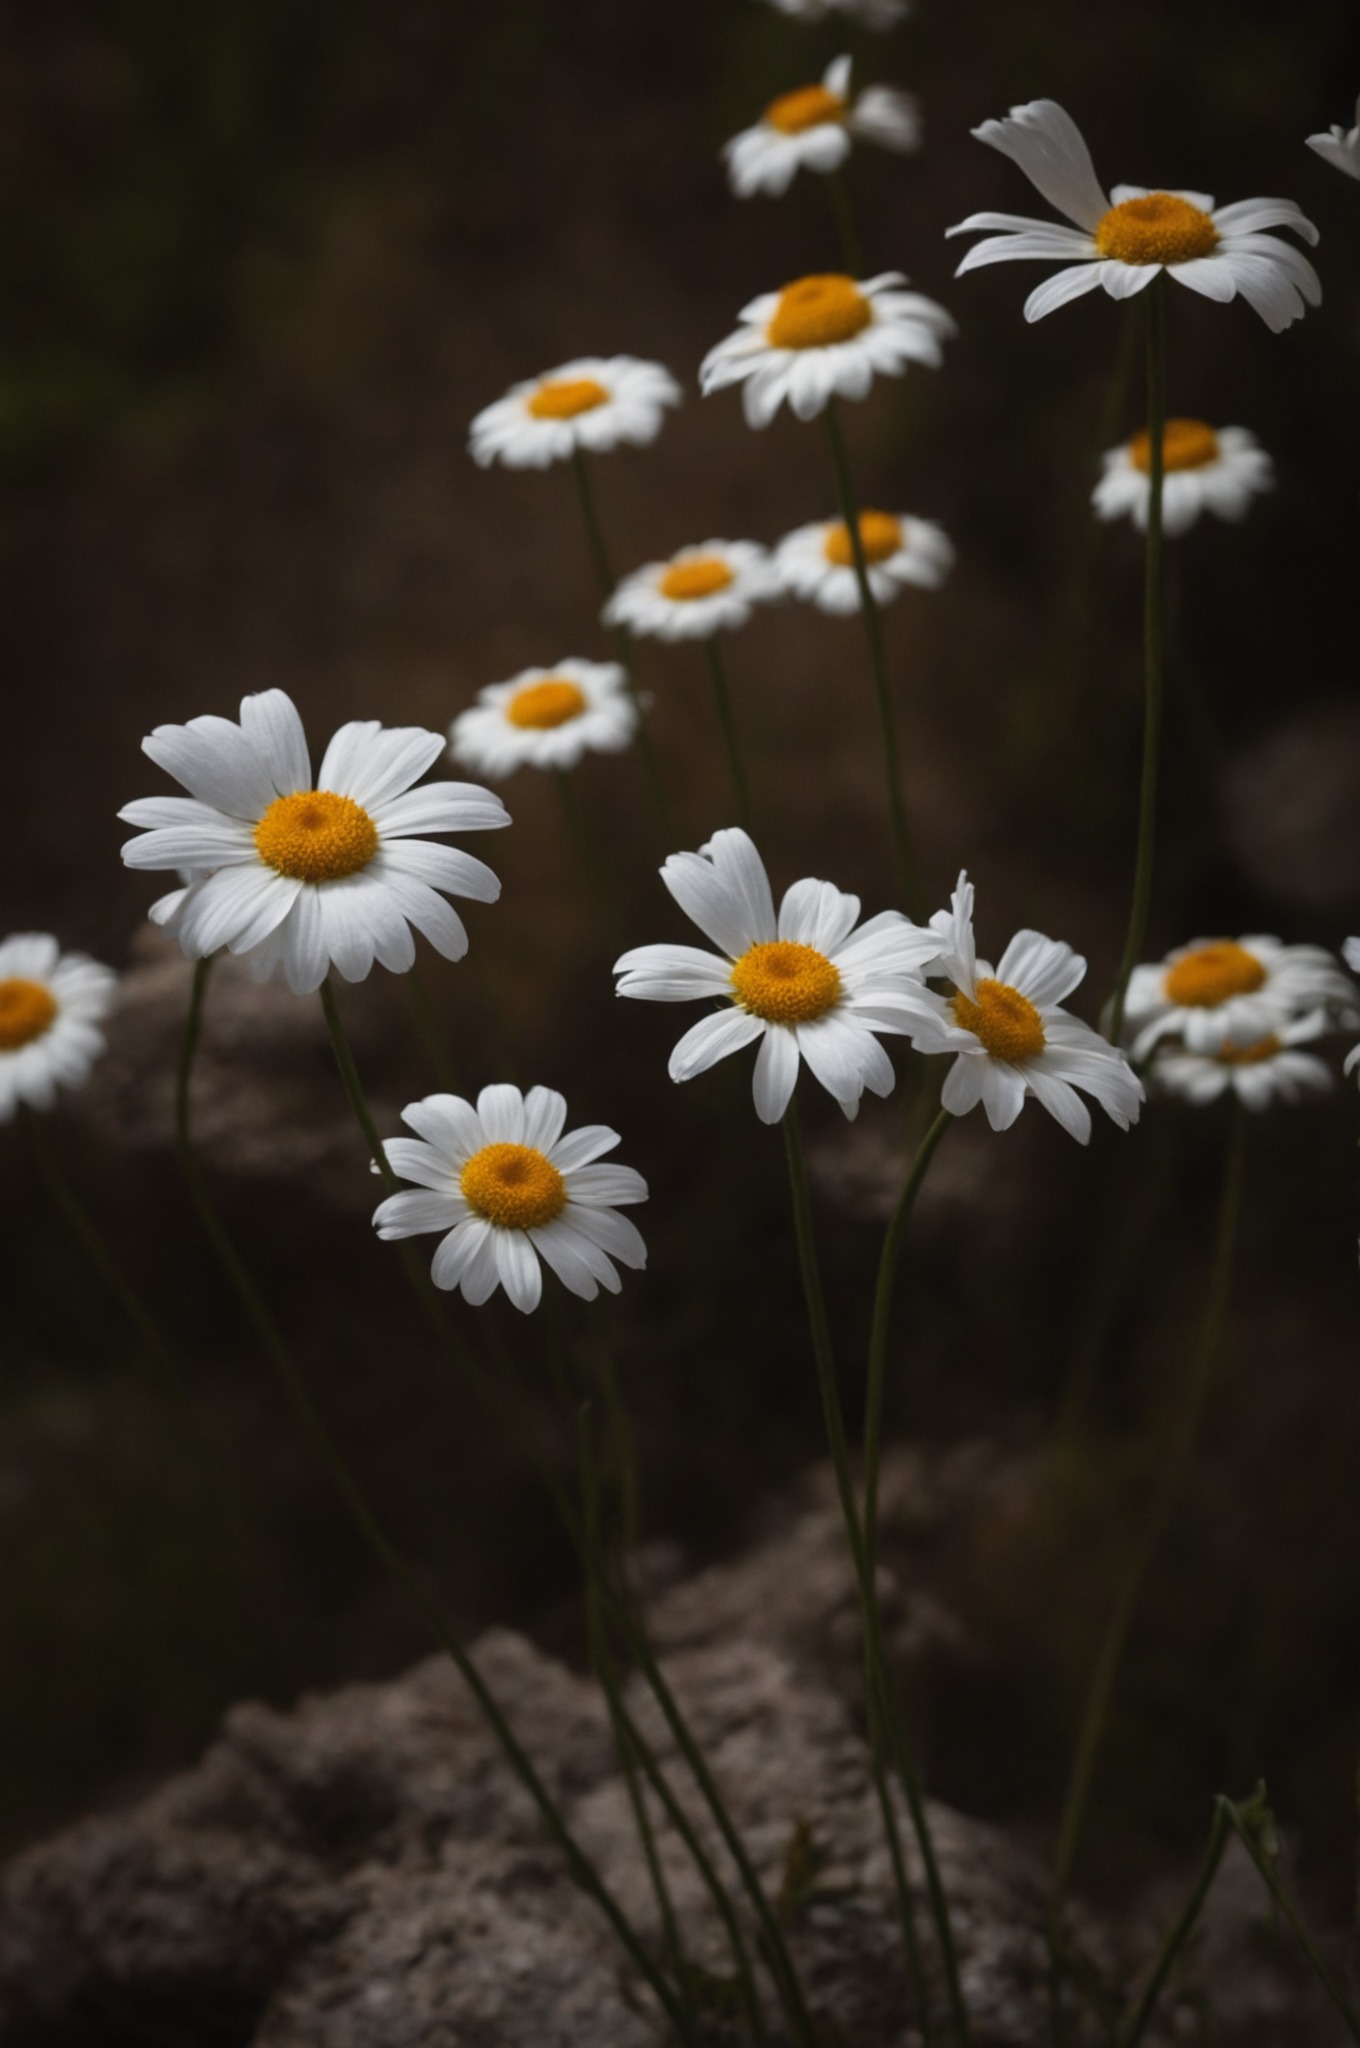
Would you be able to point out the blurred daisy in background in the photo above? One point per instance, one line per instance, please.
(300, 875)
(823, 337)
(1205, 469)
(814, 128)
(507, 1189)
(546, 718)
(880, 14)
(1340, 146)
(1351, 950)
(1257, 1071)
(710, 588)
(806, 985)
(1217, 990)
(593, 403)
(1009, 1035)
(51, 1004)
(817, 562)
(1121, 243)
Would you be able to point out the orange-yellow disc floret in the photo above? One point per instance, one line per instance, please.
(315, 835)
(786, 982)
(515, 1186)
(1006, 1021)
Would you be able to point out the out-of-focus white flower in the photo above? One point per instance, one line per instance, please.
(301, 875)
(880, 14)
(508, 1188)
(1340, 146)
(805, 985)
(710, 588)
(814, 129)
(546, 718)
(817, 562)
(50, 1007)
(1242, 990)
(592, 402)
(1123, 242)
(824, 337)
(1205, 469)
(1258, 1071)
(1351, 951)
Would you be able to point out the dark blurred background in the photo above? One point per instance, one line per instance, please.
(264, 260)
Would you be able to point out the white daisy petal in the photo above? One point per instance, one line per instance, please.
(776, 1072)
(711, 1040)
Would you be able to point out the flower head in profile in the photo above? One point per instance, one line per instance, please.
(1340, 146)
(817, 562)
(807, 985)
(1009, 1036)
(299, 872)
(1351, 951)
(880, 14)
(1258, 1071)
(1241, 990)
(711, 588)
(1122, 242)
(825, 337)
(814, 127)
(1205, 469)
(51, 1004)
(593, 403)
(546, 718)
(507, 1188)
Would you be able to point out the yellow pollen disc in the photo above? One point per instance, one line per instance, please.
(1249, 1055)
(1007, 1023)
(1186, 444)
(785, 982)
(816, 312)
(27, 1009)
(316, 836)
(563, 397)
(1158, 229)
(880, 535)
(516, 1186)
(700, 576)
(810, 107)
(541, 706)
(1211, 974)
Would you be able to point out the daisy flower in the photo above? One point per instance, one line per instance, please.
(701, 590)
(813, 129)
(817, 562)
(50, 1007)
(806, 985)
(300, 873)
(1340, 146)
(822, 337)
(1123, 242)
(873, 13)
(546, 718)
(1216, 990)
(507, 1188)
(1257, 1071)
(1204, 469)
(1010, 1037)
(593, 402)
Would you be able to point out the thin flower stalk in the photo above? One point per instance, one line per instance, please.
(722, 699)
(838, 185)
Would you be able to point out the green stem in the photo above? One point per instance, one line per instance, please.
(873, 633)
(878, 1338)
(881, 1684)
(1246, 1824)
(1182, 1930)
(1165, 1496)
(349, 1074)
(722, 698)
(1153, 658)
(839, 187)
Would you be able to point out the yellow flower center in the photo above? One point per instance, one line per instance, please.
(700, 576)
(809, 107)
(27, 1009)
(1186, 444)
(786, 982)
(561, 398)
(816, 312)
(880, 535)
(1211, 974)
(316, 836)
(541, 706)
(516, 1186)
(1158, 229)
(1249, 1055)
(1007, 1023)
